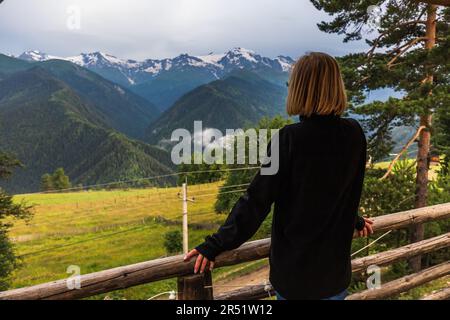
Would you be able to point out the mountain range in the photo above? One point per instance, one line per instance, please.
(57, 114)
(107, 119)
(163, 81)
(98, 116)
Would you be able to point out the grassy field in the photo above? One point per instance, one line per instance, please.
(97, 230)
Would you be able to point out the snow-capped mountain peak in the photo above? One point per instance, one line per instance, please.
(286, 63)
(212, 58)
(240, 57)
(132, 72)
(36, 55)
(236, 58)
(99, 59)
(242, 52)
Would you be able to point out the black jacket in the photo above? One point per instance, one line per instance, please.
(316, 193)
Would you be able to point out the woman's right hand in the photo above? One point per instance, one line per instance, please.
(202, 263)
(368, 228)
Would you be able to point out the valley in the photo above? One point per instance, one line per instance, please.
(104, 119)
(50, 121)
(77, 113)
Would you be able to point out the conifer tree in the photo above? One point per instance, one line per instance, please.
(8, 209)
(60, 180)
(47, 183)
(408, 50)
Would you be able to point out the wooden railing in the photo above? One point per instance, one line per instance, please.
(194, 287)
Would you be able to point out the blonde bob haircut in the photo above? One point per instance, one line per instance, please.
(316, 87)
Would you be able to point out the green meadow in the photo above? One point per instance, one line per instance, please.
(98, 230)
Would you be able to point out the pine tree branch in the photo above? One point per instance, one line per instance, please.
(405, 148)
(383, 34)
(402, 49)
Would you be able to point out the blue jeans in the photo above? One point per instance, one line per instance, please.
(340, 296)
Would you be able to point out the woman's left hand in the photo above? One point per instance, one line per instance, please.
(201, 263)
(368, 228)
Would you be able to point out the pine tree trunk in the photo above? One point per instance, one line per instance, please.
(417, 231)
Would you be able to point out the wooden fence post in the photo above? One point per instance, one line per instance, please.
(195, 287)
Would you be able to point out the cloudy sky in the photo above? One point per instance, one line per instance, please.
(140, 29)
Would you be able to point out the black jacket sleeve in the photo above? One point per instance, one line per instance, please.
(246, 216)
(360, 223)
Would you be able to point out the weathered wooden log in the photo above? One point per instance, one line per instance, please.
(256, 292)
(173, 267)
(358, 265)
(133, 275)
(406, 283)
(443, 294)
(196, 287)
(402, 253)
(404, 219)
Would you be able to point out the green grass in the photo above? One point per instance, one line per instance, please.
(99, 230)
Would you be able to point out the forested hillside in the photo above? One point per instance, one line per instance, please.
(47, 125)
(241, 99)
(120, 108)
(9, 65)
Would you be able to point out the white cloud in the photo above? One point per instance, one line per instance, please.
(163, 28)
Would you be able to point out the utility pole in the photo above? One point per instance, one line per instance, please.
(198, 286)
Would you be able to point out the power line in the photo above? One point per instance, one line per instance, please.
(129, 230)
(77, 216)
(108, 235)
(143, 225)
(93, 215)
(121, 193)
(168, 197)
(220, 193)
(80, 242)
(235, 186)
(148, 178)
(98, 215)
(81, 216)
(89, 215)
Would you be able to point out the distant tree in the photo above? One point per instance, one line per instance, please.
(47, 183)
(56, 181)
(7, 163)
(173, 242)
(8, 209)
(200, 173)
(60, 180)
(408, 50)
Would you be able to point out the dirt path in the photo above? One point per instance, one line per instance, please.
(253, 278)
